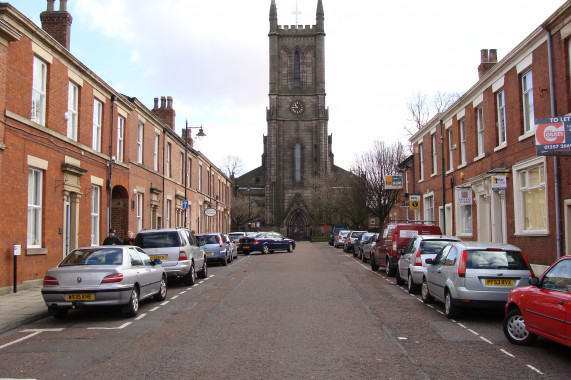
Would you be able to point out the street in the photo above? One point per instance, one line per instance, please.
(316, 313)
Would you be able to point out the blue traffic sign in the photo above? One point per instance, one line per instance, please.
(185, 204)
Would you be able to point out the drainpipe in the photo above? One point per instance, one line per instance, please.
(443, 180)
(558, 237)
(111, 160)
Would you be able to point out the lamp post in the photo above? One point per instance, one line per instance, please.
(200, 135)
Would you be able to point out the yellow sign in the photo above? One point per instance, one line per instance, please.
(414, 202)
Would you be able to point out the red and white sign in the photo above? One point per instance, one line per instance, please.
(553, 133)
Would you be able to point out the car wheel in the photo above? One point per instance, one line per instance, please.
(190, 277)
(162, 294)
(514, 329)
(265, 250)
(388, 269)
(374, 265)
(57, 312)
(132, 308)
(363, 260)
(424, 293)
(204, 271)
(290, 247)
(400, 281)
(411, 286)
(450, 309)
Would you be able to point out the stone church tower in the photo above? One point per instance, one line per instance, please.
(297, 147)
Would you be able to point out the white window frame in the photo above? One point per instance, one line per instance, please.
(181, 169)
(428, 207)
(35, 207)
(168, 213)
(518, 196)
(434, 155)
(480, 131)
(39, 83)
(140, 143)
(421, 161)
(97, 122)
(156, 153)
(95, 213)
(462, 127)
(72, 111)
(139, 211)
(450, 151)
(199, 177)
(461, 215)
(501, 105)
(527, 99)
(120, 138)
(169, 171)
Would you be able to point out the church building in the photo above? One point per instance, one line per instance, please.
(297, 147)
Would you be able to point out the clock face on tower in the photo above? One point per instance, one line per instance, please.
(297, 107)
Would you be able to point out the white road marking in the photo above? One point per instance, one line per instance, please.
(535, 369)
(174, 297)
(110, 328)
(154, 308)
(430, 306)
(473, 332)
(33, 333)
(486, 340)
(140, 316)
(184, 291)
(507, 353)
(164, 303)
(440, 312)
(402, 338)
(459, 324)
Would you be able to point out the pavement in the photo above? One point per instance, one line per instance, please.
(18, 309)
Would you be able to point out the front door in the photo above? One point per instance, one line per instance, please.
(297, 228)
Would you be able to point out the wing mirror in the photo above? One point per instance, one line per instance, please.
(534, 281)
(429, 261)
(156, 262)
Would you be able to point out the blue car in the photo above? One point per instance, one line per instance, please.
(266, 242)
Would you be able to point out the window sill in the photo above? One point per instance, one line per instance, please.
(433, 175)
(532, 233)
(461, 166)
(464, 235)
(500, 147)
(36, 251)
(479, 157)
(450, 171)
(527, 135)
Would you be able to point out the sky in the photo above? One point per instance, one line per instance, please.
(212, 58)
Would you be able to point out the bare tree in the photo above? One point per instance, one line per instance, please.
(232, 166)
(422, 107)
(244, 212)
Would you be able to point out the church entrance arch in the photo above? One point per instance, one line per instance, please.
(299, 225)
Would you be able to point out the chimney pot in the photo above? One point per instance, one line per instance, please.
(169, 102)
(63, 5)
(483, 55)
(51, 5)
(493, 55)
(163, 102)
(156, 103)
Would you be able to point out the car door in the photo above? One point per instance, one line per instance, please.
(404, 261)
(141, 274)
(436, 273)
(548, 305)
(153, 272)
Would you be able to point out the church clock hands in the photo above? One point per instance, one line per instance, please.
(297, 107)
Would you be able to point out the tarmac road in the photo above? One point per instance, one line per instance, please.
(316, 313)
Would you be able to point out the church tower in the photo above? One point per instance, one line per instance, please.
(297, 147)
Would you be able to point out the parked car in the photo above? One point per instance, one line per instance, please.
(233, 246)
(334, 233)
(178, 250)
(362, 241)
(104, 276)
(474, 274)
(266, 242)
(411, 265)
(352, 242)
(367, 247)
(216, 248)
(542, 308)
(340, 238)
(395, 237)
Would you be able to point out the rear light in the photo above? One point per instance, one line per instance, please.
(48, 280)
(349, 240)
(462, 265)
(526, 262)
(219, 240)
(182, 256)
(418, 259)
(117, 277)
(395, 240)
(256, 241)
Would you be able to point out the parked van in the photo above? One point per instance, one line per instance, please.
(393, 239)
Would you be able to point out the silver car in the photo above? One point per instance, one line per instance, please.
(340, 238)
(474, 274)
(411, 265)
(233, 246)
(365, 244)
(178, 250)
(216, 247)
(104, 276)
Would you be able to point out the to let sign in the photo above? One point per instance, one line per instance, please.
(553, 136)
(393, 182)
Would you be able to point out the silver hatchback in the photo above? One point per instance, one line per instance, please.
(474, 274)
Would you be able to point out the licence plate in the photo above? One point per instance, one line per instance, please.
(245, 246)
(208, 253)
(80, 297)
(160, 257)
(499, 282)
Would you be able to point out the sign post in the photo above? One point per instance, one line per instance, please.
(17, 252)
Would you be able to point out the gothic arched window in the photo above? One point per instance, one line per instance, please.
(297, 69)
(297, 162)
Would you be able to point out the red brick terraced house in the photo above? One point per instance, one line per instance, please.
(475, 164)
(77, 157)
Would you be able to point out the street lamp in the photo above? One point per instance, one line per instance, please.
(200, 135)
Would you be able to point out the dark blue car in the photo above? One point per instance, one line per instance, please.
(266, 242)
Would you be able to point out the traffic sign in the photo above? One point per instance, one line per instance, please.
(185, 204)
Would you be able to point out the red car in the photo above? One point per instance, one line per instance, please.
(543, 308)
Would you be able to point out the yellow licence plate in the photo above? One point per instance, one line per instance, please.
(245, 247)
(208, 253)
(80, 297)
(160, 257)
(499, 282)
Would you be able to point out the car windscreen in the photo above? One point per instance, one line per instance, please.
(236, 236)
(432, 247)
(511, 260)
(162, 239)
(207, 239)
(95, 256)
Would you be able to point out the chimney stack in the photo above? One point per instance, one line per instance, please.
(488, 58)
(57, 23)
(165, 112)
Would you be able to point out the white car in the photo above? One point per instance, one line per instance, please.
(340, 238)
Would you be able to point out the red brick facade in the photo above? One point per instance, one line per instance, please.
(71, 175)
(524, 213)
